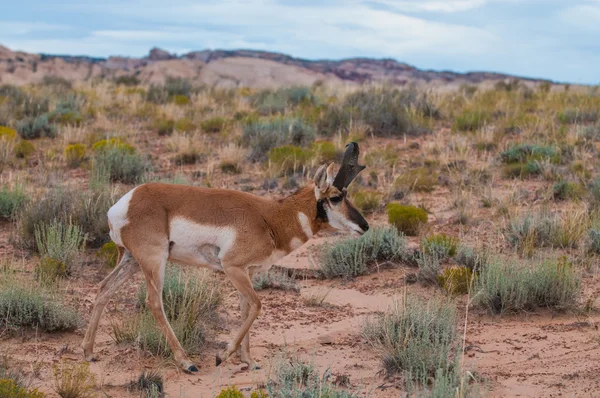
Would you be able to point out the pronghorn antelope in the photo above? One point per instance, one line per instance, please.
(229, 231)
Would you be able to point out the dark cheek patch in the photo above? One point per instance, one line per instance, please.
(321, 213)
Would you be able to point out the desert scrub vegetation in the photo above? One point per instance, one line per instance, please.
(190, 302)
(36, 127)
(456, 280)
(407, 219)
(231, 158)
(173, 89)
(262, 136)
(10, 389)
(27, 304)
(84, 208)
(352, 257)
(367, 201)
(269, 102)
(74, 154)
(507, 286)
(74, 380)
(544, 229)
(288, 159)
(11, 200)
(291, 376)
(441, 244)
(386, 111)
(58, 245)
(418, 338)
(121, 165)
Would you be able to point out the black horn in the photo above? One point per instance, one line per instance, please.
(349, 168)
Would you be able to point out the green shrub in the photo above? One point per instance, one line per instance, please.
(10, 389)
(121, 165)
(172, 87)
(523, 153)
(471, 120)
(213, 125)
(112, 143)
(441, 244)
(68, 110)
(109, 254)
(164, 127)
(36, 127)
(430, 267)
(507, 286)
(61, 242)
(230, 392)
(384, 157)
(421, 179)
(564, 190)
(85, 208)
(261, 137)
(417, 337)
(185, 125)
(522, 170)
(11, 201)
(74, 154)
(324, 151)
(74, 380)
(288, 159)
(384, 110)
(127, 80)
(24, 149)
(23, 304)
(471, 258)
(49, 269)
(292, 377)
(367, 201)
(456, 280)
(407, 219)
(274, 280)
(572, 116)
(543, 229)
(180, 100)
(591, 133)
(8, 133)
(351, 257)
(270, 102)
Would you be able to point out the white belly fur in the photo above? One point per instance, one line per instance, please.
(199, 245)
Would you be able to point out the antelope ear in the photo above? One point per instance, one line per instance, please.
(320, 178)
(330, 175)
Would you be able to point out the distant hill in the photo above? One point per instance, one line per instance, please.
(231, 68)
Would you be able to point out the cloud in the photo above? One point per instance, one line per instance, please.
(23, 28)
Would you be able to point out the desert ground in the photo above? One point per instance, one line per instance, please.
(486, 201)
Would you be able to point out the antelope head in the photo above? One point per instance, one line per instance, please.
(333, 206)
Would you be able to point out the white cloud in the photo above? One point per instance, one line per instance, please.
(23, 28)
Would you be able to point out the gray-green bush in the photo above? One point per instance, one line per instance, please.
(351, 257)
(24, 304)
(509, 286)
(293, 377)
(416, 336)
(121, 165)
(262, 136)
(36, 127)
(273, 279)
(11, 201)
(59, 241)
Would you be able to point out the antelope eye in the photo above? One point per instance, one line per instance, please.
(336, 199)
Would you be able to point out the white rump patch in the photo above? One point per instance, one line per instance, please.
(200, 245)
(305, 224)
(117, 217)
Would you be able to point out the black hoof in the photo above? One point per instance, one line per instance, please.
(218, 360)
(192, 369)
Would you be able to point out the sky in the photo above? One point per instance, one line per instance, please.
(552, 39)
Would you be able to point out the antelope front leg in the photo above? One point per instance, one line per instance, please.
(241, 280)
